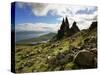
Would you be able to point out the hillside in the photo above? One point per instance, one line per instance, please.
(65, 51)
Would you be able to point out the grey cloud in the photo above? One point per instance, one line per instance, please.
(87, 10)
(94, 18)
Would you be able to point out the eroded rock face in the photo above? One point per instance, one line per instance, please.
(65, 30)
(93, 25)
(74, 28)
(85, 59)
(64, 25)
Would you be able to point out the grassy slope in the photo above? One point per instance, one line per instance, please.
(49, 56)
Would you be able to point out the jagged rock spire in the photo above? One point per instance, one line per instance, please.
(62, 25)
(67, 23)
(65, 31)
(74, 28)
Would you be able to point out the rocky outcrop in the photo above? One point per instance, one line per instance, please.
(74, 28)
(93, 25)
(65, 30)
(85, 59)
(85, 54)
(64, 25)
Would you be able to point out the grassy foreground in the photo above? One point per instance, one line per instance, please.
(54, 55)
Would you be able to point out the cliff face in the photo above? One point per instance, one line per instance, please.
(74, 29)
(65, 30)
(64, 25)
(93, 25)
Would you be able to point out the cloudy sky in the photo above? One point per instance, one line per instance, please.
(48, 17)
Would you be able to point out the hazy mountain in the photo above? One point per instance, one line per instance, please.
(23, 35)
(41, 38)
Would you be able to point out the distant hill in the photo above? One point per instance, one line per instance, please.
(23, 35)
(29, 32)
(41, 38)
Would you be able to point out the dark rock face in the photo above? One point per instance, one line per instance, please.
(93, 25)
(64, 25)
(74, 28)
(65, 30)
(67, 24)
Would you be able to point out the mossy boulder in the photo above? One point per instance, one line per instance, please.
(85, 59)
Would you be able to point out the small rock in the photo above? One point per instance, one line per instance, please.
(52, 46)
(49, 57)
(94, 51)
(60, 48)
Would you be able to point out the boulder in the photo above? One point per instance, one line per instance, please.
(85, 59)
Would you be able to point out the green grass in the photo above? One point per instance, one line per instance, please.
(49, 56)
